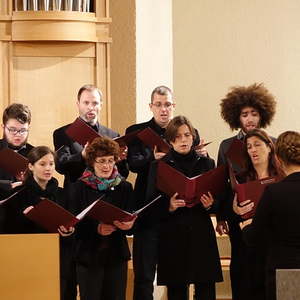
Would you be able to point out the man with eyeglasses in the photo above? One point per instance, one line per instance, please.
(139, 158)
(16, 119)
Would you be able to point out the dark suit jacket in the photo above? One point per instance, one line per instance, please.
(69, 162)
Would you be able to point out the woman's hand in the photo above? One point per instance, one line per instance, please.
(222, 227)
(63, 231)
(207, 200)
(106, 229)
(175, 203)
(124, 225)
(244, 206)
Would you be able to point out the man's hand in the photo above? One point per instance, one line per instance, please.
(158, 155)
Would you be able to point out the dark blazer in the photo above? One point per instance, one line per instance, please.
(276, 225)
(69, 162)
(140, 157)
(91, 247)
(15, 221)
(5, 178)
(188, 251)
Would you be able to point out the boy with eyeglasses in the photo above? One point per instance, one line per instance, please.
(15, 124)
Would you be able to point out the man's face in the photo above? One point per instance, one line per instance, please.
(162, 107)
(89, 106)
(15, 133)
(249, 119)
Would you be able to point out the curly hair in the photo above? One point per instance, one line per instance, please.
(101, 146)
(17, 111)
(288, 147)
(256, 96)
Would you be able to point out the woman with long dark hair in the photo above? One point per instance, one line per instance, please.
(261, 163)
(277, 219)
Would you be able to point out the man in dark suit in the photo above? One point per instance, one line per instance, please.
(139, 159)
(70, 154)
(71, 163)
(16, 120)
(243, 108)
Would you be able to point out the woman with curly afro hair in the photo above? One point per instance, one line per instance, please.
(244, 108)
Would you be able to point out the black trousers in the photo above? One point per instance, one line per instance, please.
(68, 281)
(102, 282)
(145, 251)
(203, 291)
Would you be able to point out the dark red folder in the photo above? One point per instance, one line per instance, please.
(50, 215)
(107, 213)
(80, 132)
(251, 190)
(151, 139)
(12, 162)
(171, 181)
(236, 154)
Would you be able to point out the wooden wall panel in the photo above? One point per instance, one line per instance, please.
(48, 85)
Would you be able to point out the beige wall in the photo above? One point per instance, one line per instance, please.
(141, 57)
(223, 43)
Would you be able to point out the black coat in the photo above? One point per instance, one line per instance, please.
(5, 178)
(91, 247)
(276, 225)
(141, 156)
(70, 162)
(15, 221)
(188, 251)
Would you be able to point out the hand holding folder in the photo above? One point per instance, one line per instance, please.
(251, 190)
(51, 215)
(171, 181)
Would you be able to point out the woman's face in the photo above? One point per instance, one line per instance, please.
(43, 169)
(258, 150)
(183, 140)
(104, 165)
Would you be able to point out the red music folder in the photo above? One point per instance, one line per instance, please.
(50, 215)
(151, 139)
(107, 213)
(80, 132)
(251, 190)
(12, 162)
(171, 181)
(235, 153)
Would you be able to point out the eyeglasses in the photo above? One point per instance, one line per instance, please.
(103, 162)
(15, 131)
(167, 105)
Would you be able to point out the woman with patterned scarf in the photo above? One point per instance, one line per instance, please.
(102, 251)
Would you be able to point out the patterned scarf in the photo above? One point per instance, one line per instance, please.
(101, 184)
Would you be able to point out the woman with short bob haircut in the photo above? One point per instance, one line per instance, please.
(102, 251)
(277, 219)
(187, 248)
